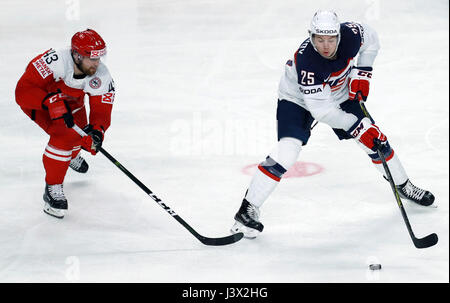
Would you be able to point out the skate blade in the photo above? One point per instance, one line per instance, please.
(54, 212)
(420, 206)
(249, 233)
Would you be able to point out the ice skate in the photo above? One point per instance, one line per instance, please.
(55, 202)
(247, 221)
(415, 194)
(79, 165)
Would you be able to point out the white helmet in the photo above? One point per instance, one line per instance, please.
(325, 23)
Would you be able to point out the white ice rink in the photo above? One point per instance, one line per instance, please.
(196, 84)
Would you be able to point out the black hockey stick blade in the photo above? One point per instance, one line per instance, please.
(427, 241)
(221, 241)
(207, 241)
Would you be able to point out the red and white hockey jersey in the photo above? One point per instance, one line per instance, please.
(53, 71)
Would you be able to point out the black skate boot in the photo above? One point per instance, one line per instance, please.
(55, 201)
(78, 164)
(247, 221)
(415, 194)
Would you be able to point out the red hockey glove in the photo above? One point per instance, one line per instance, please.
(359, 83)
(366, 133)
(93, 141)
(56, 104)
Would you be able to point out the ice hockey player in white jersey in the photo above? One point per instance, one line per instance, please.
(323, 82)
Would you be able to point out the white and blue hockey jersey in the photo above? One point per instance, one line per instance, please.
(318, 84)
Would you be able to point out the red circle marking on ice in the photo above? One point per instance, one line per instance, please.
(298, 170)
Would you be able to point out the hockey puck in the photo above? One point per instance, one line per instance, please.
(375, 266)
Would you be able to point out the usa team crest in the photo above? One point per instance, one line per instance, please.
(95, 82)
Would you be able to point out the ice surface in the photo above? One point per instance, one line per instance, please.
(196, 98)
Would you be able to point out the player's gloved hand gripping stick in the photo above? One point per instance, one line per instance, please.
(359, 83)
(205, 240)
(425, 242)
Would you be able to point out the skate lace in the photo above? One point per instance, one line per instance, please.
(253, 212)
(56, 191)
(413, 191)
(76, 163)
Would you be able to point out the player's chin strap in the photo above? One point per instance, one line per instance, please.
(205, 240)
(424, 242)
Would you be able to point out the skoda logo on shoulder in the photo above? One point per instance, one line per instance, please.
(95, 83)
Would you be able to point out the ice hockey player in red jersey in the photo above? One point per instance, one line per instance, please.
(323, 83)
(52, 92)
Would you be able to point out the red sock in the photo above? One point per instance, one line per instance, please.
(75, 151)
(56, 162)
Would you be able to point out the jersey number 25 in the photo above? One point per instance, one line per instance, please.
(307, 78)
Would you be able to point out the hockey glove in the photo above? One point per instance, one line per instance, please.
(366, 132)
(93, 141)
(359, 83)
(56, 104)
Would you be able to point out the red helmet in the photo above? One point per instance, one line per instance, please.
(88, 43)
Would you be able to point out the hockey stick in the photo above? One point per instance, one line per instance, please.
(205, 240)
(424, 242)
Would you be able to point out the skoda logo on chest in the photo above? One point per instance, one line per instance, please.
(95, 82)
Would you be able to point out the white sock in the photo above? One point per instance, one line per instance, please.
(263, 183)
(396, 168)
(260, 188)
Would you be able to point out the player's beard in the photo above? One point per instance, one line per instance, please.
(89, 71)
